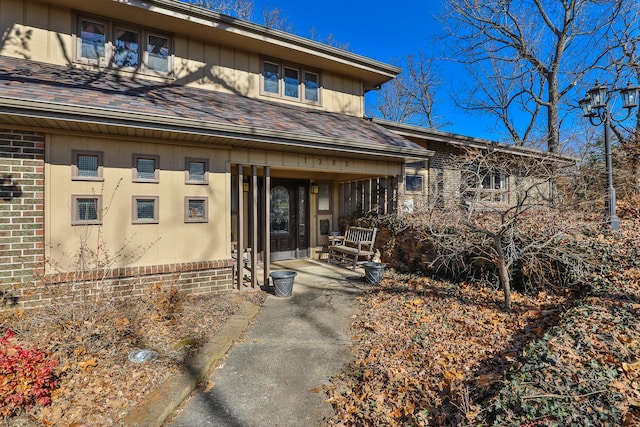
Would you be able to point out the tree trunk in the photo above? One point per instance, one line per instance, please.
(553, 120)
(503, 271)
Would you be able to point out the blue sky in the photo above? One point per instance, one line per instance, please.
(386, 32)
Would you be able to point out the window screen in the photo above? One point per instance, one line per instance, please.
(88, 165)
(196, 171)
(87, 209)
(146, 209)
(146, 168)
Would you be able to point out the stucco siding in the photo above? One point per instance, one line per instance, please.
(169, 241)
(45, 33)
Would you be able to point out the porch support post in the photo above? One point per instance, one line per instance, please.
(254, 226)
(402, 193)
(266, 241)
(367, 196)
(240, 232)
(353, 201)
(391, 194)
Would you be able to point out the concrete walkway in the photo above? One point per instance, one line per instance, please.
(272, 377)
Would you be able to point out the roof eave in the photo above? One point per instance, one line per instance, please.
(233, 135)
(373, 72)
(468, 141)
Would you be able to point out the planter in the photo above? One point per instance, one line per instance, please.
(374, 272)
(283, 282)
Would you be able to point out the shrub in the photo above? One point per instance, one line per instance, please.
(27, 377)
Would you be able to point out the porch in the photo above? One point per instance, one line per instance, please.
(281, 215)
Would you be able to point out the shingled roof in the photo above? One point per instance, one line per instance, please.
(63, 97)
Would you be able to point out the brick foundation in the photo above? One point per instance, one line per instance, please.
(210, 277)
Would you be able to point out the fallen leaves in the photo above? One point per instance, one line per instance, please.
(98, 385)
(423, 346)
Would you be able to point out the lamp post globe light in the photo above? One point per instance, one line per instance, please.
(596, 107)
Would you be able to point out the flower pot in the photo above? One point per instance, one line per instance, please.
(374, 272)
(283, 282)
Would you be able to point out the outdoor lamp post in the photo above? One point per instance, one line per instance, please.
(595, 106)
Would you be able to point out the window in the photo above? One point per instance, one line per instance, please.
(195, 209)
(145, 209)
(157, 57)
(414, 183)
(86, 165)
(279, 213)
(124, 46)
(86, 210)
(197, 171)
(92, 41)
(324, 197)
(271, 77)
(145, 168)
(127, 48)
(311, 87)
(293, 82)
(487, 185)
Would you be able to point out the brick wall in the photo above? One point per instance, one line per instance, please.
(21, 206)
(209, 277)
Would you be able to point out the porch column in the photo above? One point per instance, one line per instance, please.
(240, 231)
(254, 226)
(392, 193)
(342, 202)
(267, 224)
(367, 203)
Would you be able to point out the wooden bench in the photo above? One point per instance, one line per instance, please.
(357, 243)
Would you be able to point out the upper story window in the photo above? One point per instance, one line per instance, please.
(146, 168)
(128, 47)
(271, 78)
(311, 86)
(290, 82)
(196, 171)
(86, 165)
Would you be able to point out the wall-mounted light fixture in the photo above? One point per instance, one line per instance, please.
(314, 188)
(245, 186)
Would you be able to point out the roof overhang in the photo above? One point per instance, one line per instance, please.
(49, 117)
(216, 28)
(427, 134)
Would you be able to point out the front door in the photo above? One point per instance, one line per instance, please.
(289, 222)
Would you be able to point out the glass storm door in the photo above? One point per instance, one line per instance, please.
(289, 223)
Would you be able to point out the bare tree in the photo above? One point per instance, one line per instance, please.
(410, 98)
(242, 9)
(506, 225)
(273, 18)
(626, 59)
(543, 46)
(505, 99)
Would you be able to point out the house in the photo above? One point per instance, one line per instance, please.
(441, 182)
(154, 142)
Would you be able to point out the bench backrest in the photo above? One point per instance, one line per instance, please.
(360, 235)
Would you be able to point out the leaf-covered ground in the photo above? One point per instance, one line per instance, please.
(98, 384)
(425, 349)
(435, 353)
